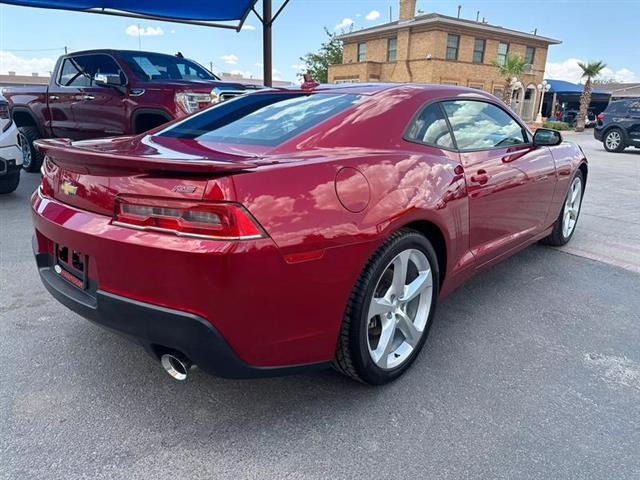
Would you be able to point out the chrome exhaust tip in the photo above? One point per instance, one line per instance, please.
(176, 366)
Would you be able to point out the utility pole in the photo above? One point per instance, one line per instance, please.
(266, 44)
(65, 50)
(459, 8)
(139, 38)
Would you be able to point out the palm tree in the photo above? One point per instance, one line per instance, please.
(512, 67)
(590, 70)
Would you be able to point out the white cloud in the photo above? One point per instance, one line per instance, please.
(259, 65)
(298, 66)
(344, 24)
(135, 30)
(230, 59)
(10, 62)
(570, 71)
(246, 26)
(373, 15)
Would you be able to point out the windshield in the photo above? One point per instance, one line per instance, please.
(157, 67)
(261, 118)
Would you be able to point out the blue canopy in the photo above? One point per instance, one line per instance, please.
(200, 12)
(563, 87)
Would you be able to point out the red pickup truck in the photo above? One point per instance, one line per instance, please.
(105, 93)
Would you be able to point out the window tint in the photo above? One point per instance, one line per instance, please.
(479, 125)
(79, 71)
(261, 119)
(503, 50)
(530, 55)
(430, 127)
(392, 49)
(150, 67)
(452, 46)
(362, 52)
(478, 50)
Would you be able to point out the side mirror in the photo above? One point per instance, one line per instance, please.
(107, 80)
(545, 137)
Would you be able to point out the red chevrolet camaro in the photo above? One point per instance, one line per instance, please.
(292, 229)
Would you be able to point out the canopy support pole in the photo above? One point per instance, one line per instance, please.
(267, 50)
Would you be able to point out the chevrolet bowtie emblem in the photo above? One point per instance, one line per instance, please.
(68, 188)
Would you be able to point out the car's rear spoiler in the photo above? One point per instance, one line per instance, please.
(63, 153)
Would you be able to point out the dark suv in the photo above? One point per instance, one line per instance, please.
(618, 127)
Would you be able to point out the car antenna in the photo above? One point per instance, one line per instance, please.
(309, 83)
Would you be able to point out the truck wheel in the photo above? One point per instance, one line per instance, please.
(9, 183)
(31, 158)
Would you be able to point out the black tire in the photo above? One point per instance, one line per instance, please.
(8, 183)
(608, 145)
(31, 158)
(352, 356)
(557, 237)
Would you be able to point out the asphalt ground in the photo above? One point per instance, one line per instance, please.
(532, 370)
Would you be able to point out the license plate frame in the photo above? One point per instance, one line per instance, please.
(72, 265)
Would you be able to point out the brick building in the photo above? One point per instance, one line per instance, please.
(434, 48)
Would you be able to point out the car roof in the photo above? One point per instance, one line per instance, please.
(378, 87)
(117, 51)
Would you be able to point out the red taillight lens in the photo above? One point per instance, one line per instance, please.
(199, 219)
(600, 117)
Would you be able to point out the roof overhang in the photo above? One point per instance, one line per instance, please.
(437, 19)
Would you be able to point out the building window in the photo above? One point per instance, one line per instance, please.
(362, 52)
(453, 41)
(449, 82)
(348, 80)
(503, 51)
(478, 50)
(498, 91)
(477, 86)
(392, 49)
(530, 55)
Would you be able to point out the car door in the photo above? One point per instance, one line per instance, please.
(101, 111)
(633, 130)
(63, 94)
(510, 183)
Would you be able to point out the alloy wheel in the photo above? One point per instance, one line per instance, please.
(572, 207)
(26, 152)
(613, 140)
(399, 310)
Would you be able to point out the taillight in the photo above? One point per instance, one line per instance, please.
(197, 219)
(600, 117)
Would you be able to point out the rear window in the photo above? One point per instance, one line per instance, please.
(261, 119)
(624, 106)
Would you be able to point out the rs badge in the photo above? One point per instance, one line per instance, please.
(68, 188)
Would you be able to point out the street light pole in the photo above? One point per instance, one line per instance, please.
(543, 88)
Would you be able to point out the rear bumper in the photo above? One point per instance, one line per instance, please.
(234, 308)
(597, 133)
(158, 329)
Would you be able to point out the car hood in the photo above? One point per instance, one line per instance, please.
(198, 85)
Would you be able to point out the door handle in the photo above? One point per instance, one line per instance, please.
(54, 97)
(480, 177)
(88, 97)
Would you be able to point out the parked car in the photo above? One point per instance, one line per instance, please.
(106, 93)
(618, 127)
(10, 153)
(571, 117)
(295, 229)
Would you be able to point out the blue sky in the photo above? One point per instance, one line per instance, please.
(31, 39)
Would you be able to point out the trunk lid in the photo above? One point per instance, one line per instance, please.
(90, 175)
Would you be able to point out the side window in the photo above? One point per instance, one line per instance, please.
(73, 73)
(430, 127)
(79, 71)
(479, 125)
(106, 65)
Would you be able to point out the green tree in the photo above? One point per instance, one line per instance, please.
(512, 67)
(590, 70)
(317, 63)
